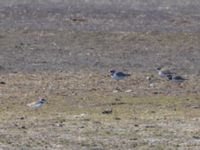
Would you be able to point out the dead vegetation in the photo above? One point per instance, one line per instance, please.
(62, 52)
(74, 118)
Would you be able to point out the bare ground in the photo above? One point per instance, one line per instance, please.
(63, 51)
(85, 111)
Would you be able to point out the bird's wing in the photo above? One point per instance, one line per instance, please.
(167, 71)
(32, 104)
(179, 78)
(120, 74)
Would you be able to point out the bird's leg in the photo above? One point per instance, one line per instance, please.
(118, 87)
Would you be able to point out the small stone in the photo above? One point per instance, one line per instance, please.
(115, 91)
(151, 85)
(86, 119)
(23, 127)
(134, 139)
(82, 115)
(2, 82)
(148, 78)
(117, 99)
(149, 126)
(114, 103)
(59, 124)
(196, 107)
(196, 137)
(98, 122)
(108, 111)
(128, 91)
(22, 118)
(155, 93)
(21, 43)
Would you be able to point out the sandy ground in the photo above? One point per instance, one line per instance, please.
(62, 51)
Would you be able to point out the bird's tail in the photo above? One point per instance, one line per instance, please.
(30, 104)
(127, 74)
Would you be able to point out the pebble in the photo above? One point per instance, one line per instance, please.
(128, 91)
(115, 91)
(2, 82)
(107, 111)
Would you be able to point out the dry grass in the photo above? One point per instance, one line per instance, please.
(73, 118)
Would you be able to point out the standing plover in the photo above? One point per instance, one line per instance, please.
(176, 79)
(37, 104)
(162, 72)
(118, 75)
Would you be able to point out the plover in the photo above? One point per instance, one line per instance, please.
(176, 79)
(162, 72)
(37, 104)
(118, 75)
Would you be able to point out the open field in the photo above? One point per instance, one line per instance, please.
(76, 117)
(62, 50)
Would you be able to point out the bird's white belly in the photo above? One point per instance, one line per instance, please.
(117, 77)
(36, 106)
(161, 74)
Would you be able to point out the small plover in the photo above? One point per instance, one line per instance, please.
(37, 104)
(162, 72)
(118, 75)
(176, 79)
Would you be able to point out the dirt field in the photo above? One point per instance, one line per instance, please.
(62, 51)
